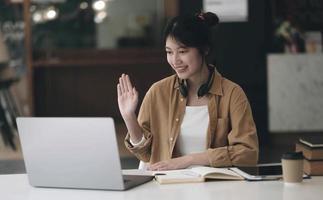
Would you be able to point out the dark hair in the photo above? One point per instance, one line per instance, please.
(192, 30)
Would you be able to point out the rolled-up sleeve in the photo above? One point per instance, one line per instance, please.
(242, 148)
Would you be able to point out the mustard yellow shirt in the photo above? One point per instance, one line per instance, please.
(231, 138)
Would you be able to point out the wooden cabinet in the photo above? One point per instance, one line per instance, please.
(83, 83)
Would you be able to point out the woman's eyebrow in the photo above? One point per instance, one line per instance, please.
(180, 47)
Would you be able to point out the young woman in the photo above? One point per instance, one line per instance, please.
(195, 117)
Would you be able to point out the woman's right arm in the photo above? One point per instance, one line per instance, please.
(127, 102)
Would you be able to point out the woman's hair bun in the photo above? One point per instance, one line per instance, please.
(211, 19)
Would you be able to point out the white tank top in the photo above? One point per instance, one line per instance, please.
(192, 137)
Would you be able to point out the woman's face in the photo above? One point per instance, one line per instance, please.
(186, 61)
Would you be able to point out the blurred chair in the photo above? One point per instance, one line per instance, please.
(8, 108)
(4, 56)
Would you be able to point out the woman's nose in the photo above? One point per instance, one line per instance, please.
(176, 59)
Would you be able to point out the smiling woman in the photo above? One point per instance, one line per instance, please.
(195, 117)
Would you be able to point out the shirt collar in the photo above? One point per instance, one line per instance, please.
(216, 87)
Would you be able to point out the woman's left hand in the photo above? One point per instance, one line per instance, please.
(175, 163)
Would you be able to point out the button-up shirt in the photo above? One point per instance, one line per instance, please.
(231, 138)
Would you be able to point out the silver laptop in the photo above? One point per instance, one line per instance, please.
(73, 153)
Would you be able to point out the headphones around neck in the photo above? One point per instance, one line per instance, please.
(204, 88)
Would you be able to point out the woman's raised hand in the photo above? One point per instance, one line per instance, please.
(127, 97)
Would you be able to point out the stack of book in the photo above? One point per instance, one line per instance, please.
(312, 148)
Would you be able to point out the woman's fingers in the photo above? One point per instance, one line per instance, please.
(125, 85)
(128, 83)
(119, 92)
(134, 91)
(158, 166)
(127, 97)
(122, 88)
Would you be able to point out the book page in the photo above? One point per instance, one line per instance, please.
(216, 173)
(179, 172)
(178, 176)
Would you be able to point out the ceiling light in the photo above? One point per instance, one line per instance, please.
(84, 5)
(99, 5)
(37, 17)
(51, 14)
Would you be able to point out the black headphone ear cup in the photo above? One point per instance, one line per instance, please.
(183, 89)
(202, 90)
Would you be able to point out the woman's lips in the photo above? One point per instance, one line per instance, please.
(180, 69)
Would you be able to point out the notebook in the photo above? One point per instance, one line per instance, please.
(269, 171)
(73, 153)
(195, 174)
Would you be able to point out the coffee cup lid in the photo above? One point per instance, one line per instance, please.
(293, 155)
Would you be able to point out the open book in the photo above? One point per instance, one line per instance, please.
(195, 174)
(267, 171)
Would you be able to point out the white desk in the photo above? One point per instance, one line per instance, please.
(16, 187)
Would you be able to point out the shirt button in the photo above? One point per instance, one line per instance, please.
(182, 99)
(177, 119)
(171, 139)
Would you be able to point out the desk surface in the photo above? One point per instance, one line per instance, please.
(16, 187)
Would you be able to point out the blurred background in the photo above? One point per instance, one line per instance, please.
(62, 58)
